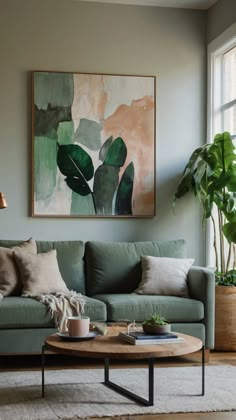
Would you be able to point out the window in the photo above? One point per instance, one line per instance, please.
(222, 84)
(221, 101)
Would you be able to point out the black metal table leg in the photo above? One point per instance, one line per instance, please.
(43, 368)
(106, 370)
(126, 392)
(151, 381)
(203, 370)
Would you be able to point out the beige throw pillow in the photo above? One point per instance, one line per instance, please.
(164, 276)
(40, 273)
(10, 281)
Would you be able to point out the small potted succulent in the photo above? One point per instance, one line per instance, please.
(156, 324)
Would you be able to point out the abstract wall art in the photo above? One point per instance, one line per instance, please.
(93, 145)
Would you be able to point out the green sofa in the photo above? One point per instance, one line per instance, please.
(107, 274)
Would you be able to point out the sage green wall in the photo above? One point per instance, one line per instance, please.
(69, 35)
(220, 16)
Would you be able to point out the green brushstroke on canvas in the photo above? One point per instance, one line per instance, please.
(45, 167)
(125, 191)
(88, 133)
(65, 132)
(82, 205)
(106, 180)
(49, 120)
(56, 89)
(104, 149)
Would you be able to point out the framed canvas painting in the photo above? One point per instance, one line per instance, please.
(93, 145)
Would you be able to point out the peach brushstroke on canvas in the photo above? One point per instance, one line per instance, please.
(89, 102)
(89, 98)
(135, 124)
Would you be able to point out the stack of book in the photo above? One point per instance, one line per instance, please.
(139, 338)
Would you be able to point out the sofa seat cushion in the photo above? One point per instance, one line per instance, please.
(95, 309)
(21, 312)
(135, 307)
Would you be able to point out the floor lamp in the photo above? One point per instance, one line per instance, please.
(3, 203)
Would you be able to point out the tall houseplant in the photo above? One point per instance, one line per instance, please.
(211, 175)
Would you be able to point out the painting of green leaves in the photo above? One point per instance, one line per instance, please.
(93, 145)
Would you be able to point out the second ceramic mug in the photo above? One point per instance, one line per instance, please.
(78, 326)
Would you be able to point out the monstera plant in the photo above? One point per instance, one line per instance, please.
(211, 175)
(110, 193)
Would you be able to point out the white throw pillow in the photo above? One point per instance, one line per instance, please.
(40, 273)
(164, 276)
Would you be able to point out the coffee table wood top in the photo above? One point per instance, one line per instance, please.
(113, 347)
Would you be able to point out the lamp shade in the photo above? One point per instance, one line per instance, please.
(3, 203)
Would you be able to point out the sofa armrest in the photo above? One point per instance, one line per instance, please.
(201, 282)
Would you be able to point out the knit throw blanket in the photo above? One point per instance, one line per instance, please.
(61, 306)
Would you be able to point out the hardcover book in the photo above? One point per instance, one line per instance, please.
(139, 335)
(147, 340)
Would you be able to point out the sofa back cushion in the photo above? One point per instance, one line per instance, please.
(69, 256)
(115, 267)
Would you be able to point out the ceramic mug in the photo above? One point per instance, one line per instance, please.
(78, 326)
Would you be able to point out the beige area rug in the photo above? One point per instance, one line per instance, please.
(72, 394)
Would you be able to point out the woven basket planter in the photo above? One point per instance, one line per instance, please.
(225, 318)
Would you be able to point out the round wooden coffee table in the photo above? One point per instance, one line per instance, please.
(112, 347)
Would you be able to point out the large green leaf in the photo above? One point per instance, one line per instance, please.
(78, 185)
(208, 156)
(200, 173)
(230, 215)
(229, 230)
(117, 153)
(214, 157)
(225, 149)
(218, 199)
(211, 175)
(192, 160)
(232, 180)
(219, 183)
(106, 179)
(104, 149)
(125, 191)
(88, 133)
(73, 161)
(184, 186)
(186, 182)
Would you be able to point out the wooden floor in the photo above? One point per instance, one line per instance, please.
(17, 363)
